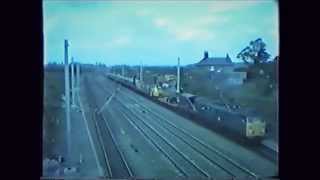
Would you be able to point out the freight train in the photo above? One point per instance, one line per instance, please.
(247, 125)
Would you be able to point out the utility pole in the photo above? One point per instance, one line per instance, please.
(141, 72)
(122, 70)
(67, 95)
(78, 75)
(178, 76)
(72, 81)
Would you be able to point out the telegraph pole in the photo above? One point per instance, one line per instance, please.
(122, 70)
(72, 81)
(178, 76)
(141, 72)
(78, 75)
(67, 95)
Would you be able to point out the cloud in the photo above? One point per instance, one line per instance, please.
(192, 34)
(122, 41)
(119, 41)
(226, 6)
(142, 12)
(275, 36)
(251, 30)
(50, 23)
(274, 31)
(160, 22)
(209, 20)
(185, 34)
(196, 28)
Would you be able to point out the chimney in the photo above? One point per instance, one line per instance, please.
(228, 58)
(206, 55)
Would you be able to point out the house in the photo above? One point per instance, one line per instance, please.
(222, 69)
(236, 78)
(217, 64)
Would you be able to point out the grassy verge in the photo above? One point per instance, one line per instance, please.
(53, 89)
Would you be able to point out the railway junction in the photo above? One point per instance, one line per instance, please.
(131, 136)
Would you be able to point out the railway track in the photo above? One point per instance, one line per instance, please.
(147, 137)
(158, 132)
(156, 145)
(261, 149)
(117, 166)
(197, 144)
(209, 154)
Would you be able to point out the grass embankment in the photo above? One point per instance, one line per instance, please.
(53, 89)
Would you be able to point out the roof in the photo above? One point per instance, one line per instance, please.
(215, 61)
(187, 95)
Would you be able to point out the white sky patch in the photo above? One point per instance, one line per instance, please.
(275, 36)
(193, 34)
(50, 23)
(161, 22)
(142, 12)
(251, 30)
(275, 30)
(211, 20)
(185, 34)
(122, 41)
(119, 42)
(195, 28)
(224, 6)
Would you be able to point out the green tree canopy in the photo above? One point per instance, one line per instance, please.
(255, 53)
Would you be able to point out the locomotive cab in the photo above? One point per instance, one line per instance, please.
(154, 92)
(255, 127)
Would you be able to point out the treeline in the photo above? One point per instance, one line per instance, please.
(54, 67)
(134, 70)
(59, 67)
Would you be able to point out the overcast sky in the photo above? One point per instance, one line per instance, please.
(156, 32)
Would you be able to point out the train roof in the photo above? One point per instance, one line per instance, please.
(220, 106)
(188, 95)
(208, 101)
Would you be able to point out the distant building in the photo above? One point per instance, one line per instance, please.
(218, 64)
(236, 78)
(222, 69)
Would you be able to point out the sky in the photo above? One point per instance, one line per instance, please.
(156, 32)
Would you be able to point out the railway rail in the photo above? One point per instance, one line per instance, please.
(163, 145)
(186, 137)
(117, 166)
(148, 138)
(229, 167)
(256, 146)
